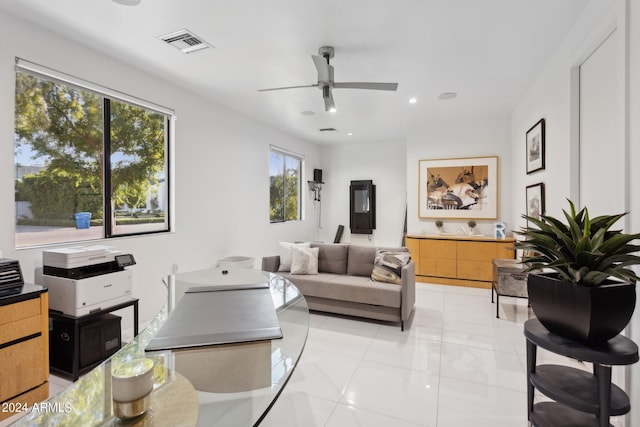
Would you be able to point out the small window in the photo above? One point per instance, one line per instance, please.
(285, 170)
(87, 165)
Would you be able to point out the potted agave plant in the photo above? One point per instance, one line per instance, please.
(580, 285)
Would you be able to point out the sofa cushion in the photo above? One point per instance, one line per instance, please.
(348, 288)
(388, 266)
(360, 260)
(285, 254)
(304, 260)
(332, 258)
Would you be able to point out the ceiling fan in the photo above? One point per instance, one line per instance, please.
(326, 83)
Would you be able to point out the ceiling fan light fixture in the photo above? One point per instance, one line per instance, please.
(326, 83)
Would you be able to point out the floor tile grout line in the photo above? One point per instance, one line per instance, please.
(346, 387)
(376, 412)
(449, 377)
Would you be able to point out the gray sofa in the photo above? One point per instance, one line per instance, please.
(343, 284)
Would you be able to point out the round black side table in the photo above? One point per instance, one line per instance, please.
(580, 398)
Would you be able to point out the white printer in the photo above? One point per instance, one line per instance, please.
(85, 279)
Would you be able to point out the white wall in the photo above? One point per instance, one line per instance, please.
(221, 168)
(384, 164)
(460, 137)
(550, 97)
(634, 179)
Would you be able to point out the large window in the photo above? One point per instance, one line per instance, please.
(88, 165)
(285, 171)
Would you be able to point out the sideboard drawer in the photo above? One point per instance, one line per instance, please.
(438, 267)
(439, 249)
(475, 270)
(20, 320)
(22, 367)
(477, 251)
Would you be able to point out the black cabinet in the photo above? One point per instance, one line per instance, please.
(97, 339)
(581, 398)
(78, 344)
(362, 207)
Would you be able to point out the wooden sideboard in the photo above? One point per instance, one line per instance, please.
(458, 260)
(24, 349)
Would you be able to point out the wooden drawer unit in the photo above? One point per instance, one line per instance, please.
(474, 260)
(438, 249)
(22, 358)
(24, 347)
(438, 267)
(474, 270)
(476, 251)
(20, 320)
(437, 258)
(458, 260)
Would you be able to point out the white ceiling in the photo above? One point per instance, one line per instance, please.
(488, 51)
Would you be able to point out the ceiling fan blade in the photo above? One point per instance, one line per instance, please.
(287, 87)
(323, 68)
(366, 85)
(329, 105)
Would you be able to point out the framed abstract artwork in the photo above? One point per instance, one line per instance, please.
(462, 188)
(535, 147)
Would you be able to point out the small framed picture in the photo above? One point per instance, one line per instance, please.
(535, 200)
(535, 147)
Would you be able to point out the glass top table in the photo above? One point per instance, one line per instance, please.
(175, 400)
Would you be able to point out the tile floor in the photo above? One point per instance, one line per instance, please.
(457, 365)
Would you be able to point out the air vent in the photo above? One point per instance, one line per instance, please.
(186, 41)
(327, 130)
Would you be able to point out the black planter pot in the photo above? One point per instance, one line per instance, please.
(589, 315)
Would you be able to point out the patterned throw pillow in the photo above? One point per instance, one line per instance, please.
(388, 266)
(304, 260)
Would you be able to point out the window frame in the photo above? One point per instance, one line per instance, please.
(108, 95)
(300, 200)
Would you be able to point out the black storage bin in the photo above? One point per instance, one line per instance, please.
(98, 338)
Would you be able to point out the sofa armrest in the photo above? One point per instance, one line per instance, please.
(271, 263)
(408, 290)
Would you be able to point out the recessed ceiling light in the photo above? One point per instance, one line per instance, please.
(332, 110)
(127, 2)
(447, 95)
(308, 113)
(350, 133)
(413, 100)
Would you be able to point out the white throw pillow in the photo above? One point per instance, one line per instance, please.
(304, 260)
(285, 254)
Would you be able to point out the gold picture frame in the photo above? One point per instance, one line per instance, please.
(458, 188)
